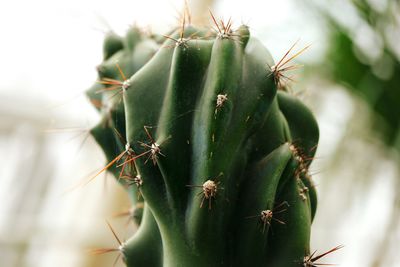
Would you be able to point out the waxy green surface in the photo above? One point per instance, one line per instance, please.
(249, 145)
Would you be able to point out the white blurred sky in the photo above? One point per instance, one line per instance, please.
(49, 48)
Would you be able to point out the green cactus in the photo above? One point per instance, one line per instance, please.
(196, 128)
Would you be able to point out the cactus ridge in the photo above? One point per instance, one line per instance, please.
(213, 155)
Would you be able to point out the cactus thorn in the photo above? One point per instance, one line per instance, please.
(187, 12)
(154, 148)
(133, 180)
(266, 216)
(129, 213)
(209, 190)
(310, 260)
(303, 193)
(278, 70)
(113, 84)
(128, 152)
(224, 30)
(116, 159)
(120, 248)
(221, 98)
(182, 40)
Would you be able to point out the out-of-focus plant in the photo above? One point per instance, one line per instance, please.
(365, 58)
(363, 55)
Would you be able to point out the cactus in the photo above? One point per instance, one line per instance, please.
(194, 126)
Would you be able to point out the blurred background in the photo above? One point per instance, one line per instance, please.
(350, 80)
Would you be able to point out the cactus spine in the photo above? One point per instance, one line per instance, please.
(196, 126)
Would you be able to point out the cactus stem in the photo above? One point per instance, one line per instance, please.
(180, 92)
(310, 260)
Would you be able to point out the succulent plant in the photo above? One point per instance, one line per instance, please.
(194, 126)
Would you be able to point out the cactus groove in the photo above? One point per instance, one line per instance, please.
(214, 156)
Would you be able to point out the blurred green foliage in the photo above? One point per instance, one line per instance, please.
(363, 58)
